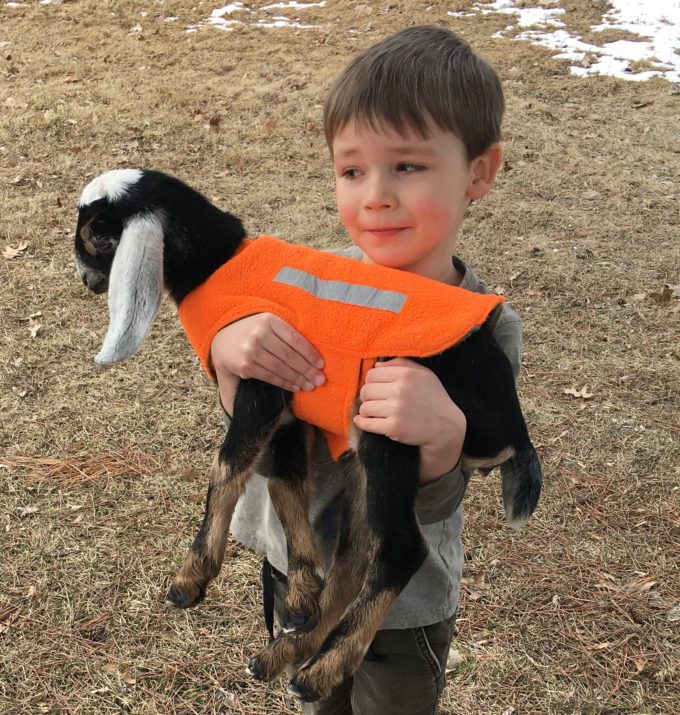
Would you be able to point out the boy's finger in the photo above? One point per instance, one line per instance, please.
(383, 372)
(273, 379)
(376, 425)
(291, 364)
(298, 343)
(277, 371)
(375, 408)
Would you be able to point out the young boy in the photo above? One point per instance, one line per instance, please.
(413, 127)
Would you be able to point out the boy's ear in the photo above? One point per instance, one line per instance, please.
(483, 171)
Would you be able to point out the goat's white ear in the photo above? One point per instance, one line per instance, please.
(135, 288)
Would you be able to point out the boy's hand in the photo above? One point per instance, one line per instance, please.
(264, 347)
(405, 401)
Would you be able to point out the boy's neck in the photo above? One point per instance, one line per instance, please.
(448, 274)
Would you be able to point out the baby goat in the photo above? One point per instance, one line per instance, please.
(140, 231)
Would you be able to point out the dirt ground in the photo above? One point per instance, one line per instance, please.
(101, 471)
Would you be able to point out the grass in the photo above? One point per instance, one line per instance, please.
(101, 483)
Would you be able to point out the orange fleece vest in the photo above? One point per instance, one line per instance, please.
(353, 313)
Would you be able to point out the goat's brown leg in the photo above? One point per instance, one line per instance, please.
(204, 560)
(289, 489)
(396, 550)
(257, 411)
(342, 584)
(304, 582)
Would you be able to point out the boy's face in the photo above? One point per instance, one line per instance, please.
(402, 198)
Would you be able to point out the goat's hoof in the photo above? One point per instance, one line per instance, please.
(181, 598)
(296, 622)
(302, 692)
(256, 670)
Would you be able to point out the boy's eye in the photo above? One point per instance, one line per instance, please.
(350, 173)
(408, 166)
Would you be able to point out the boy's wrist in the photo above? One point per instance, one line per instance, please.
(436, 462)
(441, 455)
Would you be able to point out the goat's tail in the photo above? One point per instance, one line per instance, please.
(522, 481)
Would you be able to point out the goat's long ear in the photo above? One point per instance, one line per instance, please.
(135, 288)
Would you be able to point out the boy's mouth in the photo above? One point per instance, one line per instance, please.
(385, 232)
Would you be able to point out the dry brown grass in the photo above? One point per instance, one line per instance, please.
(98, 493)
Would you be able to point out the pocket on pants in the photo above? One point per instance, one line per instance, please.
(406, 672)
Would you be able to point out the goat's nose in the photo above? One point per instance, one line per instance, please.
(96, 283)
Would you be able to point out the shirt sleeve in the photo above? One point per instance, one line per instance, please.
(437, 500)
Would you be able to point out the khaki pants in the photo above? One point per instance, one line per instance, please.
(403, 672)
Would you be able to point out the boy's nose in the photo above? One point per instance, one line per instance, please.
(379, 194)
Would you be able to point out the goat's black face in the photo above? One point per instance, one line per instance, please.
(98, 232)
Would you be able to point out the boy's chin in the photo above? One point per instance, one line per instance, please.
(387, 259)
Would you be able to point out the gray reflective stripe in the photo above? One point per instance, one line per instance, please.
(350, 293)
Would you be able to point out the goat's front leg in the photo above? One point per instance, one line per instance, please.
(396, 550)
(257, 412)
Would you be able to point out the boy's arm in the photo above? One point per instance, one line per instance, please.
(437, 500)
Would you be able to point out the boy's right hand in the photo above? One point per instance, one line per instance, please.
(264, 347)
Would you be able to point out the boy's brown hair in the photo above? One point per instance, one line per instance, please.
(420, 75)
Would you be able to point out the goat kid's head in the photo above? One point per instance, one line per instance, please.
(119, 248)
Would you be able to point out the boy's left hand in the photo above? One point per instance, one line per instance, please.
(406, 402)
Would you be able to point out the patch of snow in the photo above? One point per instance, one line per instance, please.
(217, 17)
(293, 5)
(657, 24)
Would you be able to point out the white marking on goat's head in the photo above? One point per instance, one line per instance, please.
(111, 185)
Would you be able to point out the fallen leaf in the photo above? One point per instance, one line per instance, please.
(582, 393)
(13, 103)
(673, 614)
(11, 252)
(190, 474)
(34, 326)
(664, 297)
(640, 664)
(643, 584)
(600, 646)
(271, 124)
(454, 659)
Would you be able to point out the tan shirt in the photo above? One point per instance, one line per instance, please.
(432, 594)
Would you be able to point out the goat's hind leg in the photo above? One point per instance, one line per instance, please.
(257, 412)
(289, 488)
(342, 584)
(395, 549)
(478, 376)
